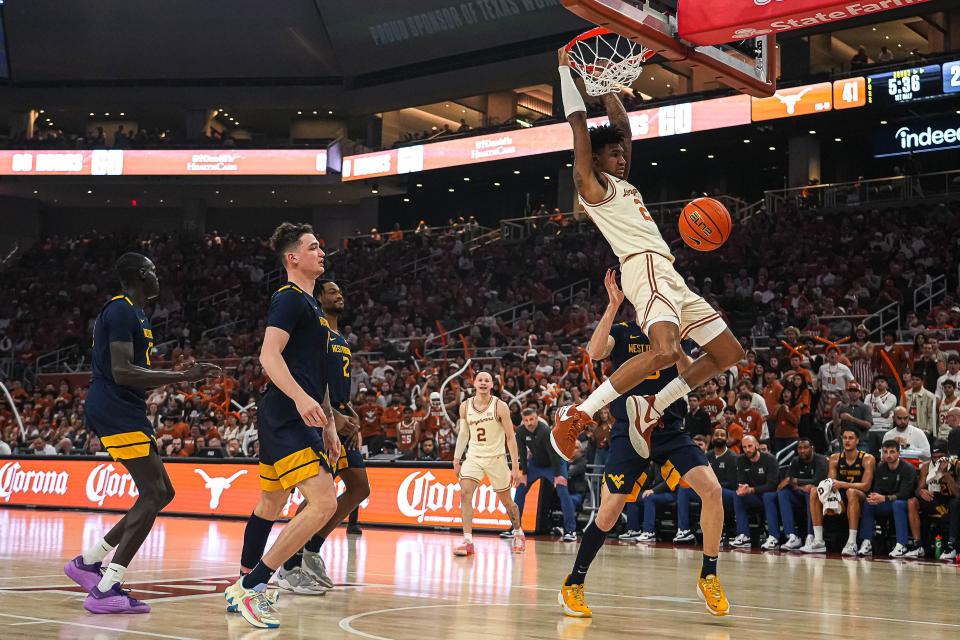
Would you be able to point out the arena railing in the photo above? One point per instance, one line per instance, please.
(862, 193)
(927, 294)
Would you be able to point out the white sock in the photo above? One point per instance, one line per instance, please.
(111, 576)
(675, 389)
(852, 536)
(468, 538)
(818, 534)
(601, 397)
(518, 532)
(97, 552)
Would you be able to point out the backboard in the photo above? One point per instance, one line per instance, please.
(658, 30)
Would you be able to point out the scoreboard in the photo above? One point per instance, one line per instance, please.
(905, 85)
(951, 77)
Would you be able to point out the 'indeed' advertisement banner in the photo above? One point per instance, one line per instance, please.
(918, 136)
(722, 21)
(657, 122)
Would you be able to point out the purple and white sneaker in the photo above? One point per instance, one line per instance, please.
(85, 575)
(115, 600)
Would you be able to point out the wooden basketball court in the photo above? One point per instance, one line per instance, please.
(404, 585)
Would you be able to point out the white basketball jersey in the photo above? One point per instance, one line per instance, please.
(487, 437)
(625, 222)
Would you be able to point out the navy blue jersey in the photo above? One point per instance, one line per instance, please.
(110, 407)
(338, 371)
(629, 341)
(298, 314)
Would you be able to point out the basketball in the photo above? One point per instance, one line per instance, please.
(705, 224)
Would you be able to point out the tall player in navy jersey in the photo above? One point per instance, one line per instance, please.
(297, 441)
(625, 470)
(116, 411)
(350, 466)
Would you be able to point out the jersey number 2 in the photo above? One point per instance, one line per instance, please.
(481, 434)
(346, 367)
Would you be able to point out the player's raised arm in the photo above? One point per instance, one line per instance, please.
(601, 342)
(619, 120)
(576, 113)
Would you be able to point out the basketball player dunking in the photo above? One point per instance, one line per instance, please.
(293, 453)
(116, 410)
(486, 425)
(625, 472)
(667, 311)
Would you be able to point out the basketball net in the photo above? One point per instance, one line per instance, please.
(606, 61)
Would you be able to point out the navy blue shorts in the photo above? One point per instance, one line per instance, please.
(674, 450)
(289, 454)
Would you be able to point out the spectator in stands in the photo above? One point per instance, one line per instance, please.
(890, 353)
(927, 367)
(370, 413)
(853, 413)
(757, 401)
(881, 403)
(952, 373)
(953, 435)
(860, 59)
(428, 450)
(757, 475)
(712, 403)
(937, 497)
(733, 429)
(906, 435)
(696, 422)
(233, 449)
(885, 56)
(748, 417)
(806, 471)
(950, 400)
(39, 447)
(772, 390)
(921, 404)
(786, 421)
(893, 485)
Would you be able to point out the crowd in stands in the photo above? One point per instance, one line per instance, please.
(885, 56)
(410, 328)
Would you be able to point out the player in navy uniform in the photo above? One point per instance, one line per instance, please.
(625, 471)
(350, 466)
(297, 441)
(116, 411)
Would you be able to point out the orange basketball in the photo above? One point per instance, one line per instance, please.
(705, 224)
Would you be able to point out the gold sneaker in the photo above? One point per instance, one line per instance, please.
(711, 591)
(572, 600)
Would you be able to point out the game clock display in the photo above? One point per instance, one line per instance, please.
(904, 85)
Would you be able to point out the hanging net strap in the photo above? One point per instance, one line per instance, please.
(606, 61)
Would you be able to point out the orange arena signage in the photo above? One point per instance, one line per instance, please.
(409, 496)
(658, 122)
(165, 162)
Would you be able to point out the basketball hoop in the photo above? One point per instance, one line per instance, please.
(606, 61)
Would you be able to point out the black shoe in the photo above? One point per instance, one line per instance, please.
(354, 530)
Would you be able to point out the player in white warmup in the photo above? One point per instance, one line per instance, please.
(667, 310)
(486, 425)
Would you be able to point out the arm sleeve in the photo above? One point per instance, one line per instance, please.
(285, 310)
(908, 481)
(121, 322)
